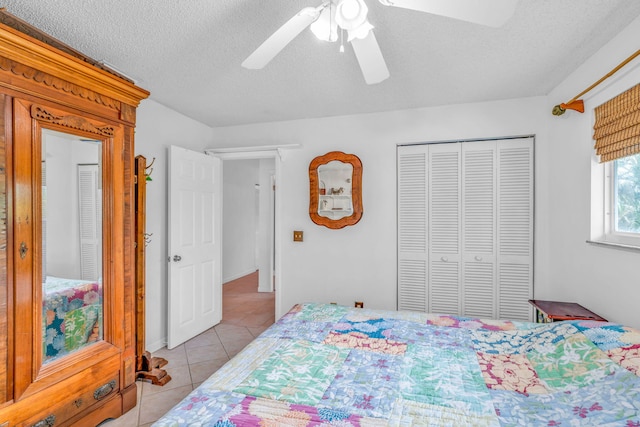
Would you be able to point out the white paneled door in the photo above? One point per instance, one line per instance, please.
(195, 277)
(465, 228)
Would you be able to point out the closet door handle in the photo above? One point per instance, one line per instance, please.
(444, 259)
(478, 258)
(177, 258)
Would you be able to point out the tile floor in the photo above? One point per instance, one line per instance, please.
(246, 313)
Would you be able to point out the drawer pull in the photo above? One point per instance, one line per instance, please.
(103, 391)
(78, 403)
(47, 422)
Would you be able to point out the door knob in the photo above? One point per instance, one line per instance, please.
(177, 258)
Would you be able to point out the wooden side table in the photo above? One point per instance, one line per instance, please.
(553, 311)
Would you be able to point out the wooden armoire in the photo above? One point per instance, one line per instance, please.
(66, 358)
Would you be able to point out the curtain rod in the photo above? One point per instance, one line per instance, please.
(577, 104)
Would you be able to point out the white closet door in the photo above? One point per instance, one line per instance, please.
(90, 203)
(465, 228)
(444, 229)
(479, 229)
(515, 232)
(412, 228)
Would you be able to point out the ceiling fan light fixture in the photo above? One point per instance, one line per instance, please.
(361, 32)
(325, 28)
(350, 14)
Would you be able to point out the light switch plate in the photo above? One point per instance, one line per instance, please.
(298, 236)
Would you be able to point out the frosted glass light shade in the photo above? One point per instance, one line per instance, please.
(351, 14)
(325, 27)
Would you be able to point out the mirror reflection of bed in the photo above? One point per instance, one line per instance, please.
(71, 243)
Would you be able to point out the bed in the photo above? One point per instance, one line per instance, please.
(322, 365)
(72, 315)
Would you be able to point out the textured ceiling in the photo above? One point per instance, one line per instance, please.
(188, 54)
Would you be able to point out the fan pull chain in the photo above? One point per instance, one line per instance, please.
(330, 18)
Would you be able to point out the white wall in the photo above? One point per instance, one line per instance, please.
(604, 279)
(239, 218)
(359, 262)
(157, 128)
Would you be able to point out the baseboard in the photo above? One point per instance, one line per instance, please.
(155, 346)
(237, 276)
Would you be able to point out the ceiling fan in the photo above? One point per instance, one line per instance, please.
(351, 16)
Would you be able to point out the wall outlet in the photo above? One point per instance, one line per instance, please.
(359, 304)
(298, 236)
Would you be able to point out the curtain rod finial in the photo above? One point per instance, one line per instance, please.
(577, 105)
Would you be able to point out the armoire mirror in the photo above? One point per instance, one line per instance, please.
(72, 294)
(335, 190)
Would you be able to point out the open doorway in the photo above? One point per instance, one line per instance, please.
(248, 249)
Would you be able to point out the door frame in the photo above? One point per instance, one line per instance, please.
(255, 153)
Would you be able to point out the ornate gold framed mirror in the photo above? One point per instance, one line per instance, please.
(335, 182)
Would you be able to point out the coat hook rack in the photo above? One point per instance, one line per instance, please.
(149, 170)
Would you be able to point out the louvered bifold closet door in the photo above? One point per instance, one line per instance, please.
(412, 228)
(515, 231)
(90, 201)
(443, 171)
(479, 229)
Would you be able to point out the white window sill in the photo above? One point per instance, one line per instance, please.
(614, 245)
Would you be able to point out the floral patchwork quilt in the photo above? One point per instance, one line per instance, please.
(71, 315)
(328, 365)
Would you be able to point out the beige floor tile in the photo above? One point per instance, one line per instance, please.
(236, 334)
(234, 347)
(209, 337)
(154, 406)
(180, 376)
(204, 353)
(257, 330)
(203, 370)
(175, 357)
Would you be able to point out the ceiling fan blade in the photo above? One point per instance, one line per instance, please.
(493, 13)
(369, 56)
(282, 37)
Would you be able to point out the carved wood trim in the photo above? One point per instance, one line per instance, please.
(28, 29)
(40, 62)
(40, 113)
(40, 77)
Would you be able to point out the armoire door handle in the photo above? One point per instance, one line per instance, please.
(23, 250)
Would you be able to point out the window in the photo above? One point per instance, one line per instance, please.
(616, 132)
(622, 201)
